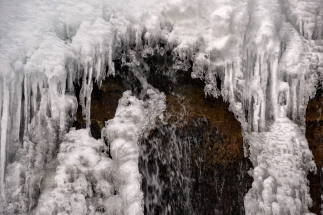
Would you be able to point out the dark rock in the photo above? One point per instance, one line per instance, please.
(314, 135)
(197, 156)
(104, 102)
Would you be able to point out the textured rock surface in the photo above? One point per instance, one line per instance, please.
(314, 135)
(197, 156)
(215, 167)
(104, 103)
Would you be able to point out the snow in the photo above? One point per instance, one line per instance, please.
(267, 54)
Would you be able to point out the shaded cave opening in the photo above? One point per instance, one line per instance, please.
(213, 171)
(196, 155)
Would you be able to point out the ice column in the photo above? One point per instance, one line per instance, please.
(132, 118)
(93, 177)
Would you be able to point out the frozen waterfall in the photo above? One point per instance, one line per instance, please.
(268, 55)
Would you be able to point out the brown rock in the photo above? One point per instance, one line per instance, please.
(314, 135)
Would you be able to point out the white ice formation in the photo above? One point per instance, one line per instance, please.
(268, 54)
(84, 180)
(45, 46)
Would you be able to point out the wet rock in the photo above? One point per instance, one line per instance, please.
(104, 102)
(314, 135)
(198, 155)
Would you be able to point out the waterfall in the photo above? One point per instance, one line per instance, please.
(263, 58)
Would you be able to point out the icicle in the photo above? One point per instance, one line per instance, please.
(16, 88)
(274, 86)
(116, 181)
(26, 105)
(294, 102)
(89, 88)
(5, 117)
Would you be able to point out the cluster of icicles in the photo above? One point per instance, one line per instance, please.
(268, 55)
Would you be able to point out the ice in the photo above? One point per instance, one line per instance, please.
(36, 157)
(132, 118)
(281, 160)
(87, 180)
(78, 171)
(266, 54)
(45, 48)
(254, 49)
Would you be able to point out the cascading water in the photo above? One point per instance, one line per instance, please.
(177, 171)
(176, 179)
(166, 169)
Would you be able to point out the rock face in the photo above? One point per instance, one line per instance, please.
(199, 157)
(196, 156)
(193, 163)
(104, 103)
(314, 135)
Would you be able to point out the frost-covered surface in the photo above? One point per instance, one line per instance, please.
(82, 180)
(132, 118)
(35, 159)
(45, 46)
(87, 180)
(268, 55)
(281, 158)
(256, 49)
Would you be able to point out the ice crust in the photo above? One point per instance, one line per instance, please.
(281, 158)
(45, 47)
(268, 57)
(267, 54)
(87, 180)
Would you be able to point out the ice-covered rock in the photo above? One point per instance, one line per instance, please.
(87, 180)
(266, 54)
(45, 48)
(281, 160)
